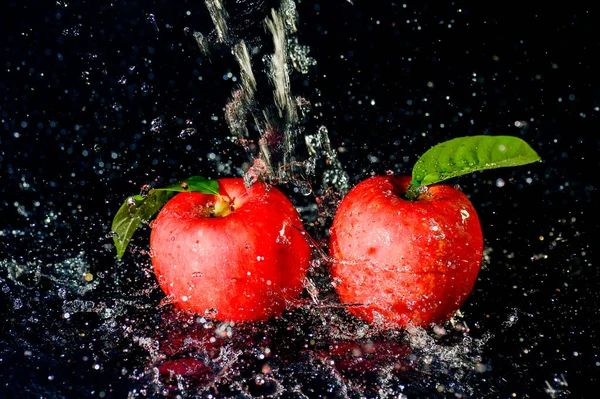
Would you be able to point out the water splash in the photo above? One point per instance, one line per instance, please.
(281, 119)
(219, 17)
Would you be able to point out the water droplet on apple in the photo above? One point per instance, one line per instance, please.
(436, 229)
(260, 258)
(197, 274)
(464, 214)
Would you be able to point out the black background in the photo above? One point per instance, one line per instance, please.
(82, 81)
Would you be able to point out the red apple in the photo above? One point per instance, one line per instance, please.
(237, 256)
(400, 262)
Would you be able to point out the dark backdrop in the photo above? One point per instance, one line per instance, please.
(95, 98)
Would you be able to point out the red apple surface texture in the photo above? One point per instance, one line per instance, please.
(400, 262)
(239, 256)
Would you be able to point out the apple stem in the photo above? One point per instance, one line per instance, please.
(414, 190)
(222, 206)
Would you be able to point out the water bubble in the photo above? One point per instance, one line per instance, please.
(188, 131)
(151, 19)
(303, 187)
(185, 186)
(17, 303)
(464, 214)
(201, 42)
(145, 190)
(436, 229)
(156, 124)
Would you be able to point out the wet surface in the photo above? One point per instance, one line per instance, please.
(100, 99)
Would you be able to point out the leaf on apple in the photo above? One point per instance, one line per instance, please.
(196, 184)
(465, 155)
(139, 209)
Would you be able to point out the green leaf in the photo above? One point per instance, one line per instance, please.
(465, 155)
(137, 210)
(196, 184)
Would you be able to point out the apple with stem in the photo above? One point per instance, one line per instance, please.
(221, 249)
(407, 251)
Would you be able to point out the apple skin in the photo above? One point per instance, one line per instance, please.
(400, 263)
(243, 264)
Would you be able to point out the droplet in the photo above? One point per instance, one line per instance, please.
(185, 186)
(156, 125)
(188, 131)
(303, 187)
(145, 191)
(464, 214)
